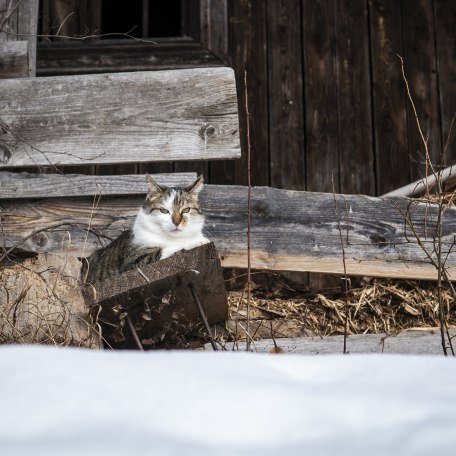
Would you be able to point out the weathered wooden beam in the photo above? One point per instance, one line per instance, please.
(291, 230)
(422, 342)
(22, 185)
(418, 187)
(106, 57)
(121, 117)
(14, 59)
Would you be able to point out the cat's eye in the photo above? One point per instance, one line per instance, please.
(186, 210)
(164, 211)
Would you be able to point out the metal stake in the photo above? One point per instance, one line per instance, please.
(202, 315)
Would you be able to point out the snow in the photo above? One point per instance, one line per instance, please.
(80, 402)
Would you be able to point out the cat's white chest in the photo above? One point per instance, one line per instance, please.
(186, 244)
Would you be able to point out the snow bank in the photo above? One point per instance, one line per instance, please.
(77, 402)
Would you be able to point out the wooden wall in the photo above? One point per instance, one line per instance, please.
(326, 95)
(326, 92)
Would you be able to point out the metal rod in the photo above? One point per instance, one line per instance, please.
(202, 315)
(134, 333)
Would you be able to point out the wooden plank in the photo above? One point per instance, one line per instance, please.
(421, 72)
(389, 102)
(120, 118)
(445, 36)
(354, 98)
(25, 185)
(14, 59)
(71, 18)
(425, 342)
(214, 36)
(247, 43)
(291, 230)
(286, 118)
(56, 59)
(27, 29)
(18, 22)
(322, 150)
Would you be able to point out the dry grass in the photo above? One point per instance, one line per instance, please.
(379, 306)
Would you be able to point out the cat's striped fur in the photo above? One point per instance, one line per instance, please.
(170, 220)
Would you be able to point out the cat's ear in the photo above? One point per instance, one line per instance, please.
(152, 185)
(197, 186)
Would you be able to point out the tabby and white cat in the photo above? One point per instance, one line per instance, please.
(170, 220)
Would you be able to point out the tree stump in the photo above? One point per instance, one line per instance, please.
(158, 301)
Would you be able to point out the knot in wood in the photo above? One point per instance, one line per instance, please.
(5, 154)
(39, 239)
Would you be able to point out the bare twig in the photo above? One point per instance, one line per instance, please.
(346, 280)
(249, 203)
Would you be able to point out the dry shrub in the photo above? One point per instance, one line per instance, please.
(41, 303)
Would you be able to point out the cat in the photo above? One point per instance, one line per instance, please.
(170, 220)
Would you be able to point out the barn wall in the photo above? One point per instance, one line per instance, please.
(327, 100)
(326, 95)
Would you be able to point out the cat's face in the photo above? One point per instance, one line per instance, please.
(177, 210)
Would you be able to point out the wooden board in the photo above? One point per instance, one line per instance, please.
(25, 185)
(421, 72)
(356, 152)
(388, 96)
(286, 120)
(117, 55)
(322, 150)
(445, 36)
(21, 25)
(291, 230)
(14, 59)
(120, 118)
(247, 44)
(410, 342)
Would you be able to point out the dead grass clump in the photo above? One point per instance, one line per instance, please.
(41, 303)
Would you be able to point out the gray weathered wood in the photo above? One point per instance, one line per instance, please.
(18, 22)
(418, 187)
(13, 59)
(25, 185)
(291, 230)
(63, 58)
(410, 342)
(122, 117)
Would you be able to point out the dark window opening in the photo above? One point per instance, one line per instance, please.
(141, 18)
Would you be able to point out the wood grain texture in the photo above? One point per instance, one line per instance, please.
(421, 71)
(389, 98)
(25, 185)
(322, 150)
(247, 42)
(291, 230)
(120, 118)
(286, 118)
(445, 35)
(19, 23)
(356, 151)
(14, 59)
(410, 342)
(55, 59)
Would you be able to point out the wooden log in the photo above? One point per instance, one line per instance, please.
(448, 175)
(113, 56)
(291, 230)
(25, 185)
(119, 118)
(13, 59)
(158, 299)
(426, 342)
